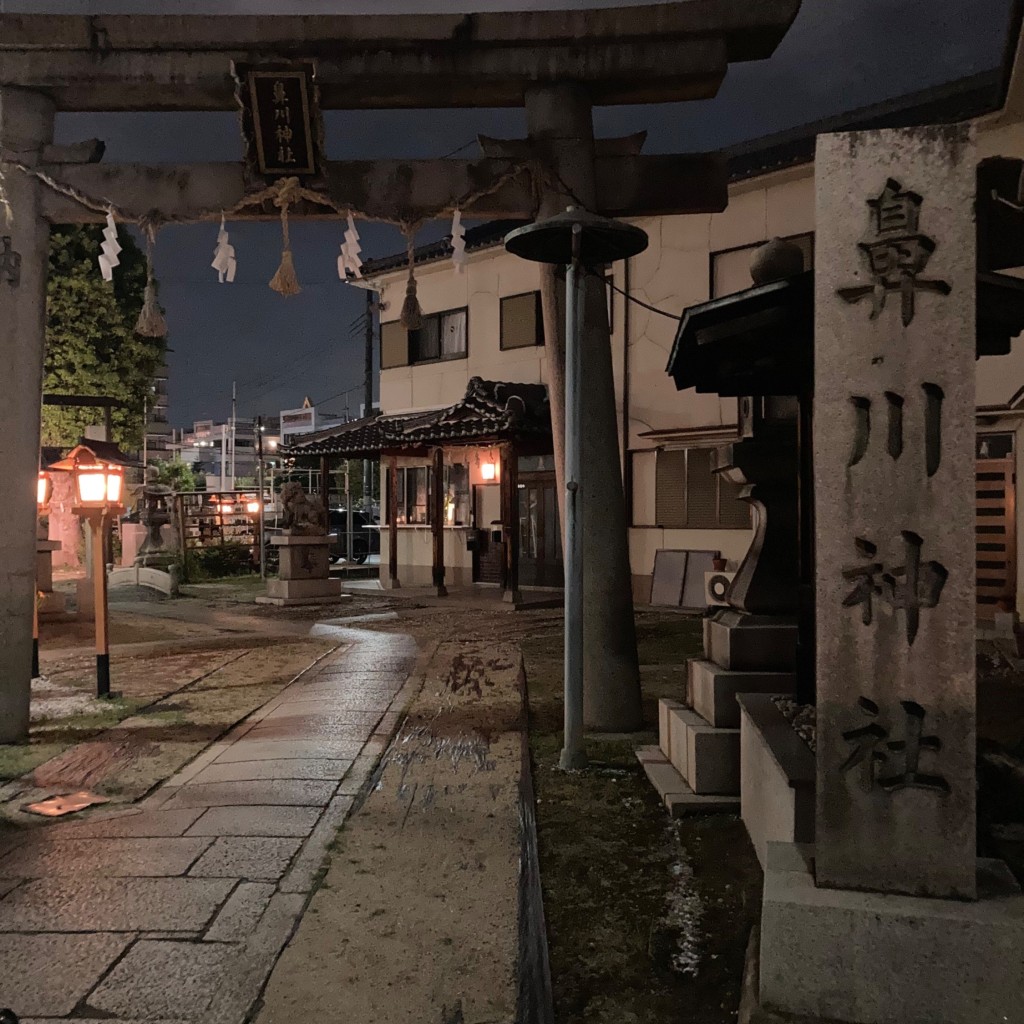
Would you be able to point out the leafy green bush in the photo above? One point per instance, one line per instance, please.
(215, 562)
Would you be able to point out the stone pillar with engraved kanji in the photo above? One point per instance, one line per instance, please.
(894, 507)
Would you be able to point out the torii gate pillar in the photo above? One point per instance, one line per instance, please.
(26, 126)
(560, 122)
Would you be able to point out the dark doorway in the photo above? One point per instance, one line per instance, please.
(540, 537)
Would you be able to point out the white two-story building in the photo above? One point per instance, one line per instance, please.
(484, 325)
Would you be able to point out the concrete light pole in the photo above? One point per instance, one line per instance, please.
(579, 240)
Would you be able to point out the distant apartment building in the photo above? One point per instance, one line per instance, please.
(159, 444)
(307, 420)
(222, 454)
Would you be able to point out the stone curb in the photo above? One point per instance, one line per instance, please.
(535, 1001)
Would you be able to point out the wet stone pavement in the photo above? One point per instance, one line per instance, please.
(178, 909)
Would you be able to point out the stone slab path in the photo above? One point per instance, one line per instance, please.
(178, 909)
(417, 921)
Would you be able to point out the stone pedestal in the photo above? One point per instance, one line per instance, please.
(51, 605)
(836, 954)
(303, 577)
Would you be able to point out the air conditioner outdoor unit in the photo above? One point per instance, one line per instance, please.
(716, 587)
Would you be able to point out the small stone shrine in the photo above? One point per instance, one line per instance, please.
(890, 918)
(304, 550)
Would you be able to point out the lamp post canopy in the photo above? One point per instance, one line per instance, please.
(600, 240)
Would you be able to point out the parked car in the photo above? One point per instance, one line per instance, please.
(365, 535)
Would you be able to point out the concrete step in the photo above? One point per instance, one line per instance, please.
(713, 690)
(674, 734)
(666, 705)
(678, 797)
(713, 760)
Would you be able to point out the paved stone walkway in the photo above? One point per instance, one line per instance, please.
(178, 909)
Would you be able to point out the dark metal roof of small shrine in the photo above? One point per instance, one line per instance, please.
(761, 341)
(489, 411)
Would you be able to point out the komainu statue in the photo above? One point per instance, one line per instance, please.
(302, 514)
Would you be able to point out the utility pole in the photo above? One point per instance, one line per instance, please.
(145, 432)
(234, 420)
(262, 509)
(371, 305)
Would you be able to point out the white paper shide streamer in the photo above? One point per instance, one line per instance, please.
(350, 261)
(109, 250)
(224, 261)
(458, 243)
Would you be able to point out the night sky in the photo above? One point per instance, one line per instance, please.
(837, 56)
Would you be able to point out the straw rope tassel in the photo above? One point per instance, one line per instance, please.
(411, 317)
(284, 282)
(151, 322)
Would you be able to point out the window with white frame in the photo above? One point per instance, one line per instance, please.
(442, 336)
(687, 494)
(415, 487)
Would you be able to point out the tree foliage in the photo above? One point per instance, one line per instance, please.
(91, 344)
(178, 475)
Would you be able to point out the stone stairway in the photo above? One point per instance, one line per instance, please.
(696, 765)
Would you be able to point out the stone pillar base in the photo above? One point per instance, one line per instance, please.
(292, 592)
(872, 958)
(751, 643)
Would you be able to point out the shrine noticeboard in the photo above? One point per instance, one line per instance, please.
(281, 121)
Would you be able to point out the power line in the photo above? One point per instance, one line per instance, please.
(633, 298)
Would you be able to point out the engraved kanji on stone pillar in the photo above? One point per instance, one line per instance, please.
(894, 472)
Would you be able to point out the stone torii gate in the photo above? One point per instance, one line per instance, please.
(555, 63)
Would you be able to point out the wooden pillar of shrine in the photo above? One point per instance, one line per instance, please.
(325, 482)
(510, 522)
(393, 522)
(437, 520)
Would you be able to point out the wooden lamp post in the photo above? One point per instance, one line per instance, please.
(98, 489)
(44, 489)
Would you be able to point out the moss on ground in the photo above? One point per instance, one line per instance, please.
(648, 919)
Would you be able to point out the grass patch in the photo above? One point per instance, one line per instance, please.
(647, 918)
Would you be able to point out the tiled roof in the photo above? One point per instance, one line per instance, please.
(961, 100)
(955, 101)
(480, 237)
(490, 411)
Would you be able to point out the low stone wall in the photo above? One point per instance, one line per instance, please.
(776, 777)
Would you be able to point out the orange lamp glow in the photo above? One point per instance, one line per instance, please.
(44, 486)
(99, 485)
(489, 471)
